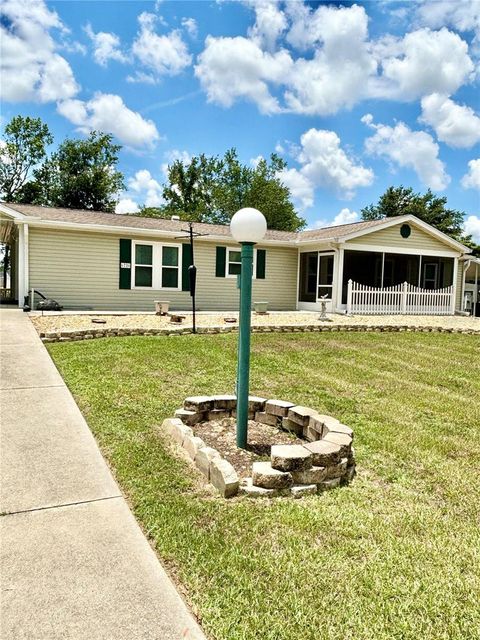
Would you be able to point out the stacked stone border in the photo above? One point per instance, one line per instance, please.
(89, 334)
(324, 461)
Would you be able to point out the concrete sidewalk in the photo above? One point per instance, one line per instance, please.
(74, 562)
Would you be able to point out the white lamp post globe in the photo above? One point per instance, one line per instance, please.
(248, 225)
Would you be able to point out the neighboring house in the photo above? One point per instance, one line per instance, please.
(102, 261)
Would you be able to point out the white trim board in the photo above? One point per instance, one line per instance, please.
(406, 251)
(157, 266)
(416, 222)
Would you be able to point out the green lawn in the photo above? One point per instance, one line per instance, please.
(396, 555)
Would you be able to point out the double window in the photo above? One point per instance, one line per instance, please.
(156, 266)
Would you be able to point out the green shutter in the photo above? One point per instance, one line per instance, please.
(221, 262)
(261, 259)
(125, 266)
(186, 262)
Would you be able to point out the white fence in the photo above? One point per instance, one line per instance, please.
(405, 299)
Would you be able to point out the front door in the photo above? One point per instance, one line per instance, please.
(430, 275)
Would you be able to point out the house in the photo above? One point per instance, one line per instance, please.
(103, 261)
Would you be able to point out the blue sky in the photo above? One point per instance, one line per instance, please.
(355, 96)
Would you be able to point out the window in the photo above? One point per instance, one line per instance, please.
(234, 263)
(143, 265)
(157, 266)
(170, 267)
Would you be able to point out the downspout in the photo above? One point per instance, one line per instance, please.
(27, 264)
(22, 262)
(466, 265)
(476, 291)
(455, 275)
(336, 259)
(21, 265)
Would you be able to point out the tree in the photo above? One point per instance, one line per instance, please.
(212, 189)
(188, 192)
(150, 212)
(399, 201)
(24, 147)
(81, 174)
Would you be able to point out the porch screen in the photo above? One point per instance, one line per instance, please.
(307, 289)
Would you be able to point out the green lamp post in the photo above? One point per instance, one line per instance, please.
(248, 226)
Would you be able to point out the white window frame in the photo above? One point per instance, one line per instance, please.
(325, 286)
(157, 266)
(227, 262)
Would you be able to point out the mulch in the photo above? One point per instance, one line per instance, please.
(221, 436)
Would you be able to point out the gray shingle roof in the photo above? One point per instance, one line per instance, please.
(80, 216)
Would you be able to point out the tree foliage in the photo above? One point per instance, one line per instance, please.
(212, 189)
(81, 174)
(23, 148)
(399, 201)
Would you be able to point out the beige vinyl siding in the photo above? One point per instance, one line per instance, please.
(418, 240)
(81, 269)
(459, 283)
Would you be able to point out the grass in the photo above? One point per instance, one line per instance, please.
(394, 556)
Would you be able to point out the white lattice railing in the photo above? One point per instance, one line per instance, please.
(405, 299)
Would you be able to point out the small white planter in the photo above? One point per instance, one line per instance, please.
(162, 307)
(260, 307)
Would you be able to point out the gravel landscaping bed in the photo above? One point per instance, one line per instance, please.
(58, 322)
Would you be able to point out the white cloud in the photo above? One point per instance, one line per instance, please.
(270, 23)
(106, 46)
(147, 187)
(472, 227)
(255, 161)
(323, 164)
(301, 188)
(471, 180)
(232, 68)
(327, 165)
(455, 124)
(341, 64)
(411, 149)
(344, 217)
(31, 69)
(140, 76)
(107, 112)
(163, 54)
(337, 75)
(126, 205)
(190, 25)
(462, 15)
(421, 63)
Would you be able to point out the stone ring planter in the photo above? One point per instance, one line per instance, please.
(324, 460)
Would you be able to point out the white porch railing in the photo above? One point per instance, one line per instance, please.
(405, 299)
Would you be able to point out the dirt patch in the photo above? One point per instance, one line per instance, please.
(221, 436)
